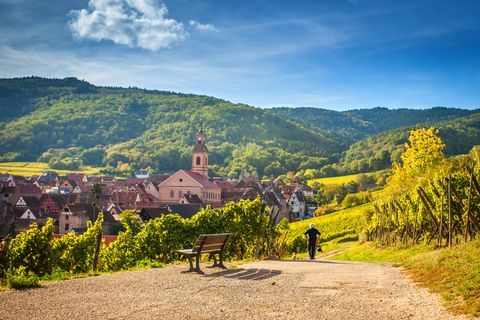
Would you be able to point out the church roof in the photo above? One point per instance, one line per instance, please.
(201, 179)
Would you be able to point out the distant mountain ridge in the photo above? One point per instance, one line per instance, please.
(360, 123)
(66, 121)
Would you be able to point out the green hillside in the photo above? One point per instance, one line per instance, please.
(379, 151)
(131, 129)
(69, 123)
(360, 123)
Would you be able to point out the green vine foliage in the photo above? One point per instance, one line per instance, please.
(32, 251)
(37, 252)
(75, 253)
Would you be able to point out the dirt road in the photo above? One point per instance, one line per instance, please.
(262, 290)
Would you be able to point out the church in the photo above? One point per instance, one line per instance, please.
(194, 181)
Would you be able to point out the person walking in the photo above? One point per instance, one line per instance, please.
(312, 234)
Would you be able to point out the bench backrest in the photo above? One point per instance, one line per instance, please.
(211, 242)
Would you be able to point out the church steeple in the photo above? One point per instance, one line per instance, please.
(200, 154)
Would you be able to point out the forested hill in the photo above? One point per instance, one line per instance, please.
(68, 121)
(360, 123)
(61, 121)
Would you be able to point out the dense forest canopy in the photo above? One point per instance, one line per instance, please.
(67, 122)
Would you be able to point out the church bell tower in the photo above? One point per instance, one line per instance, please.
(200, 155)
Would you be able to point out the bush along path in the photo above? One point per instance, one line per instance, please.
(37, 254)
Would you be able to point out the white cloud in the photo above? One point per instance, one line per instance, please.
(202, 27)
(134, 23)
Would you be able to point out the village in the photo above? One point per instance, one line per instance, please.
(76, 198)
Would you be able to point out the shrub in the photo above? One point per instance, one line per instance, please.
(32, 250)
(356, 199)
(74, 253)
(297, 244)
(22, 279)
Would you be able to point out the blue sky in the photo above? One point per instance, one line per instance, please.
(335, 54)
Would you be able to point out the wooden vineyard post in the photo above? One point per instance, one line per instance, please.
(467, 222)
(440, 233)
(449, 194)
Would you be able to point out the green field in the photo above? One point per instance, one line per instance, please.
(37, 168)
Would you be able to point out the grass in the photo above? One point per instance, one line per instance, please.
(37, 168)
(454, 273)
(341, 243)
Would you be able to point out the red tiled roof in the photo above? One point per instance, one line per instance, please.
(28, 188)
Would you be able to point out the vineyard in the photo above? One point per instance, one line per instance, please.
(429, 198)
(332, 226)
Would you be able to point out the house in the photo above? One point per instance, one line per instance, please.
(29, 189)
(25, 213)
(78, 177)
(67, 186)
(297, 203)
(83, 188)
(101, 179)
(278, 210)
(153, 213)
(190, 199)
(48, 178)
(53, 203)
(74, 217)
(184, 210)
(151, 189)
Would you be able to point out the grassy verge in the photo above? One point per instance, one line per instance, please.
(341, 243)
(454, 273)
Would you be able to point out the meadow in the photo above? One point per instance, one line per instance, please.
(37, 168)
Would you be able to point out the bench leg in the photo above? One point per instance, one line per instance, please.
(215, 263)
(197, 264)
(221, 265)
(191, 265)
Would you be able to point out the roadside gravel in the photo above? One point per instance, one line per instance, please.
(262, 290)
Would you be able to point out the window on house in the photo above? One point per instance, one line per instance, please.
(180, 193)
(172, 194)
(67, 216)
(206, 161)
(198, 161)
(181, 180)
(67, 226)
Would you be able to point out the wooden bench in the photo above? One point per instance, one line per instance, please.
(206, 243)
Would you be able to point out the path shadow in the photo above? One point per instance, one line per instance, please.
(315, 261)
(246, 274)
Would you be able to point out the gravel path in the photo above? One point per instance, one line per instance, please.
(262, 290)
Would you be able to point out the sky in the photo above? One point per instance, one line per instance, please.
(334, 54)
